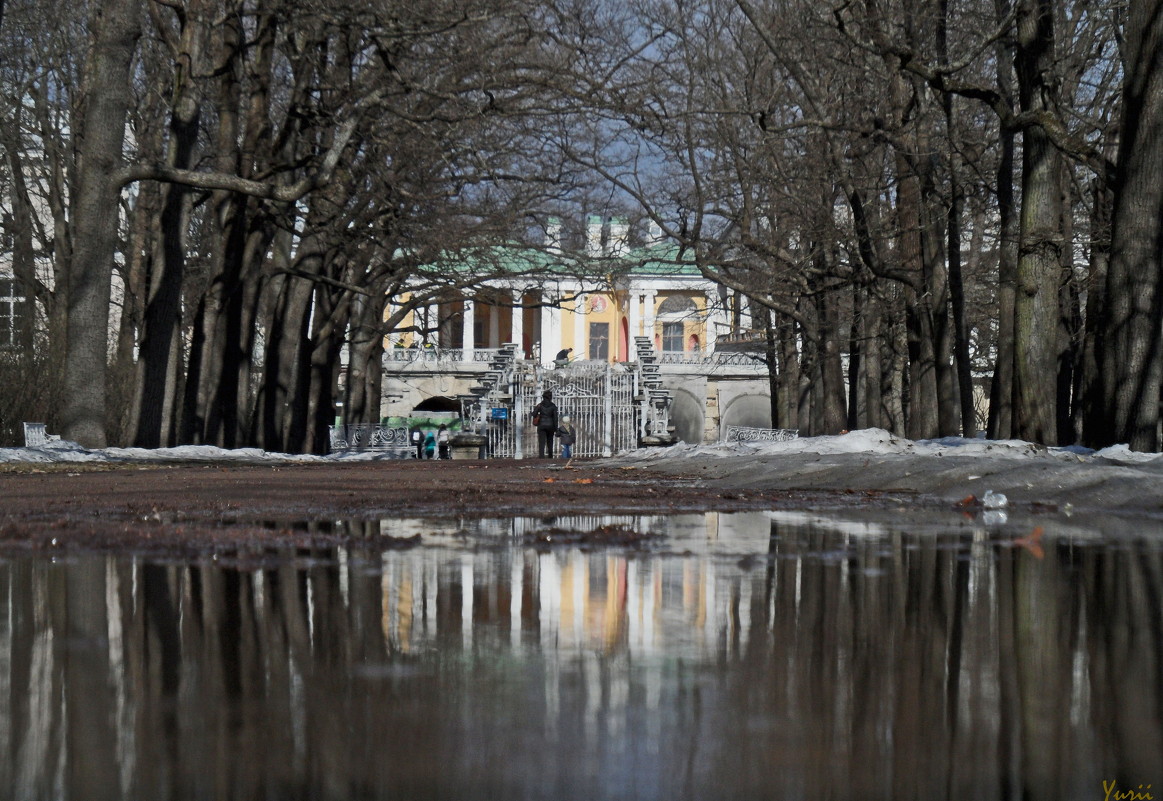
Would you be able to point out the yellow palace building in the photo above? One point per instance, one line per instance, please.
(589, 308)
(629, 293)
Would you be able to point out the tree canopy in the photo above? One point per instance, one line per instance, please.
(940, 212)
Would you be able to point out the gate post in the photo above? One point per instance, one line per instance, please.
(608, 409)
(518, 421)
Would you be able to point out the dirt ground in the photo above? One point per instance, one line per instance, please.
(206, 507)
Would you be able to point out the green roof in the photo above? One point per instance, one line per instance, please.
(661, 259)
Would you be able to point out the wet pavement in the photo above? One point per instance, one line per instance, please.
(830, 654)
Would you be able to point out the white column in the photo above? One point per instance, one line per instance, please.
(546, 324)
(554, 341)
(390, 339)
(517, 329)
(714, 316)
(424, 316)
(580, 346)
(550, 329)
(648, 314)
(635, 322)
(467, 342)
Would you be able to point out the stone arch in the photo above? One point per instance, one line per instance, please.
(753, 410)
(438, 403)
(687, 415)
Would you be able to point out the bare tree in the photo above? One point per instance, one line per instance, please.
(1130, 352)
(116, 26)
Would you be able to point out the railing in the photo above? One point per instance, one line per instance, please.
(437, 355)
(749, 434)
(367, 436)
(36, 436)
(715, 358)
(486, 355)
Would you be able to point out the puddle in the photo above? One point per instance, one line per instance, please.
(747, 655)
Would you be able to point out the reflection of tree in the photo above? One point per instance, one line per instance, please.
(1123, 647)
(862, 666)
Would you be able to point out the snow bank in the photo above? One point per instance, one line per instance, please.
(873, 441)
(877, 441)
(63, 451)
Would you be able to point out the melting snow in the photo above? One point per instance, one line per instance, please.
(871, 441)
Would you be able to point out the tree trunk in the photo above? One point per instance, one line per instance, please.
(855, 360)
(19, 231)
(161, 331)
(116, 28)
(286, 336)
(831, 408)
(935, 303)
(142, 224)
(789, 385)
(872, 406)
(1130, 353)
(219, 398)
(953, 249)
(894, 373)
(1000, 424)
(329, 322)
(771, 359)
(365, 362)
(161, 338)
(923, 421)
(1040, 238)
(1090, 384)
(1069, 331)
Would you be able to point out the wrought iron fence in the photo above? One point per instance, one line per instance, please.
(749, 434)
(732, 358)
(610, 406)
(366, 436)
(438, 355)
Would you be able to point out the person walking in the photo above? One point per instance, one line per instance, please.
(546, 422)
(568, 436)
(416, 435)
(442, 443)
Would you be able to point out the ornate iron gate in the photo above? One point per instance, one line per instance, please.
(598, 399)
(613, 407)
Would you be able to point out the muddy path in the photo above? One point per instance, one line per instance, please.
(206, 507)
(195, 507)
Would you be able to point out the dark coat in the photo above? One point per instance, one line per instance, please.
(547, 409)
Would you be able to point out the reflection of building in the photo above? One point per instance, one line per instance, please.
(570, 598)
(645, 291)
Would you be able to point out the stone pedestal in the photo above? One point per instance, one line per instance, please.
(468, 446)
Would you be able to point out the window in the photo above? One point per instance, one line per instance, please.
(600, 341)
(12, 310)
(672, 337)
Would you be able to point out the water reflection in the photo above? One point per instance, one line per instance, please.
(732, 656)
